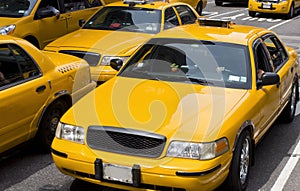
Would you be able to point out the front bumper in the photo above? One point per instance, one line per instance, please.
(79, 161)
(275, 8)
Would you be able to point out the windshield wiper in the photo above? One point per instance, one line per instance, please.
(143, 74)
(200, 81)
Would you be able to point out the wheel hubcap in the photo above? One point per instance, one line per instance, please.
(53, 123)
(244, 162)
(293, 99)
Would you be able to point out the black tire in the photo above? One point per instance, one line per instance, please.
(33, 41)
(238, 177)
(291, 12)
(288, 113)
(199, 8)
(47, 128)
(252, 13)
(218, 3)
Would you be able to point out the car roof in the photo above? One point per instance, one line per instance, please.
(237, 34)
(148, 4)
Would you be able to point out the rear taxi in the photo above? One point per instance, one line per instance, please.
(118, 29)
(42, 21)
(36, 88)
(283, 7)
(184, 112)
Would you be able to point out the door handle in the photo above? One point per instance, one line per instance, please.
(41, 88)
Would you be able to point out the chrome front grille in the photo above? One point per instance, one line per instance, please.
(125, 141)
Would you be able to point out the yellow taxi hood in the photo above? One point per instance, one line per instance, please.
(61, 59)
(4, 21)
(104, 42)
(176, 110)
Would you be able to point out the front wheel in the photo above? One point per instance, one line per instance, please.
(47, 128)
(218, 3)
(252, 13)
(288, 112)
(238, 177)
(291, 12)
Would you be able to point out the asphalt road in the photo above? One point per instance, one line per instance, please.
(277, 165)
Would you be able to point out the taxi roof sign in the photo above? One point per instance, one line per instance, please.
(225, 23)
(141, 1)
(135, 1)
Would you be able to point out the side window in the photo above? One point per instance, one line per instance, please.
(15, 65)
(262, 60)
(75, 5)
(171, 19)
(187, 16)
(276, 50)
(94, 3)
(45, 4)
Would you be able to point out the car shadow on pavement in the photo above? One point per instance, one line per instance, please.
(20, 162)
(271, 151)
(80, 185)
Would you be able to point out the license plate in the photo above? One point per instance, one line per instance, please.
(266, 5)
(117, 173)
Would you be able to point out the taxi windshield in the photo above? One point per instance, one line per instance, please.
(16, 8)
(191, 61)
(132, 19)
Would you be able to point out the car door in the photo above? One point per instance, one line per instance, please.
(282, 65)
(268, 96)
(50, 27)
(75, 10)
(22, 96)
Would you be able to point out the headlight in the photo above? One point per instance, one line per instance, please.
(70, 133)
(106, 59)
(6, 30)
(200, 151)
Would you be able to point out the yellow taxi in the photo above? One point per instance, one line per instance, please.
(184, 112)
(284, 7)
(118, 29)
(199, 5)
(42, 21)
(36, 88)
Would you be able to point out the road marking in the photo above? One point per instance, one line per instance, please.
(287, 170)
(207, 13)
(279, 24)
(234, 17)
(227, 13)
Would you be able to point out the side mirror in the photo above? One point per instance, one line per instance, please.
(81, 22)
(116, 64)
(43, 13)
(269, 78)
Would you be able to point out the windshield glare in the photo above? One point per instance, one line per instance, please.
(131, 19)
(16, 8)
(191, 61)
